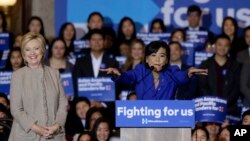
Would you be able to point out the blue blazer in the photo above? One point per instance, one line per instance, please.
(142, 78)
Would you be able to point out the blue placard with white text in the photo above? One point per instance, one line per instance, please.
(4, 41)
(149, 37)
(67, 83)
(5, 79)
(199, 39)
(152, 113)
(200, 56)
(210, 109)
(100, 89)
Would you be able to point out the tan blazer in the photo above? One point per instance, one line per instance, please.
(36, 97)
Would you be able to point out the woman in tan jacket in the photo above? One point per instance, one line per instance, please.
(38, 103)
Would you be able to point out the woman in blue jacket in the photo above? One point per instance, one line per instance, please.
(156, 79)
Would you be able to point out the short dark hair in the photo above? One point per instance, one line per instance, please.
(222, 36)
(154, 46)
(246, 29)
(246, 113)
(5, 97)
(52, 44)
(40, 21)
(178, 30)
(95, 31)
(194, 8)
(85, 133)
(95, 13)
(200, 128)
(81, 99)
(174, 42)
(160, 21)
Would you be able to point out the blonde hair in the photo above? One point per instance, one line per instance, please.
(31, 36)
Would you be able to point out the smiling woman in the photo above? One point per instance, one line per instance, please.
(38, 103)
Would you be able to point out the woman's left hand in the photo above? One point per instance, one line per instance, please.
(193, 70)
(53, 129)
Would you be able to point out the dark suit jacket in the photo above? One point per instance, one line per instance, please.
(83, 67)
(243, 56)
(231, 88)
(245, 83)
(187, 91)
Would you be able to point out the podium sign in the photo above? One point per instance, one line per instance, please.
(152, 113)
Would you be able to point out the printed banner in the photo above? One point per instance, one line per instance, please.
(146, 113)
(67, 84)
(100, 89)
(4, 41)
(5, 79)
(149, 37)
(200, 56)
(210, 109)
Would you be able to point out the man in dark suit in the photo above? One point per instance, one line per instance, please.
(96, 59)
(244, 55)
(194, 16)
(187, 91)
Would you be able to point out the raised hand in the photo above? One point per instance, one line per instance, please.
(112, 71)
(193, 70)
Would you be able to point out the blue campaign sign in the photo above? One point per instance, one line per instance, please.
(67, 84)
(210, 109)
(5, 79)
(3, 57)
(100, 89)
(4, 41)
(146, 113)
(149, 37)
(200, 56)
(188, 54)
(173, 12)
(199, 39)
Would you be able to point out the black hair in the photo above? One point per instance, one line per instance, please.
(85, 133)
(95, 13)
(160, 21)
(90, 112)
(246, 113)
(4, 24)
(61, 32)
(5, 97)
(40, 21)
(178, 30)
(222, 36)
(194, 8)
(96, 31)
(8, 65)
(81, 99)
(131, 94)
(246, 29)
(153, 47)
(52, 44)
(97, 123)
(174, 42)
(234, 23)
(121, 35)
(200, 128)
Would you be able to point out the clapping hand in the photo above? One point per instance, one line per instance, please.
(192, 71)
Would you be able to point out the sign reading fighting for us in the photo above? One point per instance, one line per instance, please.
(151, 113)
(100, 89)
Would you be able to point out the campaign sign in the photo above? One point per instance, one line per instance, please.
(152, 113)
(200, 56)
(67, 84)
(3, 57)
(5, 79)
(4, 41)
(188, 54)
(149, 37)
(210, 109)
(121, 60)
(199, 39)
(80, 44)
(100, 89)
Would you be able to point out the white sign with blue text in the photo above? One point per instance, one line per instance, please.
(100, 89)
(152, 113)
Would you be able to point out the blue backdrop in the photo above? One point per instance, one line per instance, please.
(173, 12)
